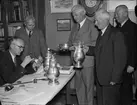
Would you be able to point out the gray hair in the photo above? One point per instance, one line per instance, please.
(30, 17)
(103, 14)
(79, 8)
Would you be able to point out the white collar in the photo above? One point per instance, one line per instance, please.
(103, 30)
(123, 22)
(28, 31)
(12, 56)
(81, 23)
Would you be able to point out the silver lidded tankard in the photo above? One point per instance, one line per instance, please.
(79, 55)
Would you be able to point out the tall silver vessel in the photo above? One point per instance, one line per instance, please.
(47, 61)
(79, 55)
(53, 72)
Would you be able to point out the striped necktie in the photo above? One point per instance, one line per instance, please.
(15, 62)
(29, 33)
(78, 27)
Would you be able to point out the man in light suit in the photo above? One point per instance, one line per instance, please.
(110, 57)
(129, 29)
(11, 67)
(86, 33)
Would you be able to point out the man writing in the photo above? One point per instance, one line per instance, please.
(11, 67)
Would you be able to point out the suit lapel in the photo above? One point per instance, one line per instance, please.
(78, 35)
(102, 43)
(106, 35)
(10, 59)
(83, 29)
(75, 34)
(85, 25)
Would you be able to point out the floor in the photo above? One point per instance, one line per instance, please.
(60, 99)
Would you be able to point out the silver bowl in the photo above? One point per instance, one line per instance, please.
(64, 46)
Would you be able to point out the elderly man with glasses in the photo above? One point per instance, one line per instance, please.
(11, 67)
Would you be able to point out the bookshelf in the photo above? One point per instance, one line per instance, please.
(12, 13)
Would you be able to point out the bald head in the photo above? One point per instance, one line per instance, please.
(102, 18)
(78, 12)
(16, 46)
(122, 8)
(121, 13)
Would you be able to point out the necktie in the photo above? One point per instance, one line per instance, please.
(118, 25)
(100, 33)
(78, 27)
(100, 36)
(15, 62)
(29, 33)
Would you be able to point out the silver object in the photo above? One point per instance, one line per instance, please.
(79, 55)
(64, 46)
(53, 72)
(47, 60)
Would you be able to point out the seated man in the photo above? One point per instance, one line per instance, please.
(11, 67)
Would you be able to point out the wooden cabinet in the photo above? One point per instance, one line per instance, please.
(12, 14)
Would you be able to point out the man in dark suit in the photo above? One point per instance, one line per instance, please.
(11, 67)
(35, 43)
(135, 73)
(110, 57)
(84, 31)
(129, 30)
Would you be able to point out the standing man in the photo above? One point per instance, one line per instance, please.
(129, 30)
(135, 73)
(11, 67)
(35, 44)
(86, 32)
(110, 57)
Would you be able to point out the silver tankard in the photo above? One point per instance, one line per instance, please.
(53, 72)
(79, 55)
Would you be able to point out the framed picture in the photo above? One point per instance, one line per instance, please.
(112, 4)
(62, 6)
(63, 24)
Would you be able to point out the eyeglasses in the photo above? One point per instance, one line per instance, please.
(31, 25)
(21, 47)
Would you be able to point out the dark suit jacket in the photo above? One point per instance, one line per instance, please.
(35, 45)
(110, 53)
(87, 34)
(8, 72)
(129, 30)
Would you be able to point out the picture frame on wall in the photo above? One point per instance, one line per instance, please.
(63, 24)
(62, 6)
(112, 4)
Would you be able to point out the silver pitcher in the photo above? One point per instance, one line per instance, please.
(53, 72)
(79, 55)
(47, 60)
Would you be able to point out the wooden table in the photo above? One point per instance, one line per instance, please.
(40, 93)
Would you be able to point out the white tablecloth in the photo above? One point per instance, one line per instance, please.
(39, 93)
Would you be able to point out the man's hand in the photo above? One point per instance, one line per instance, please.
(26, 61)
(112, 83)
(85, 49)
(130, 69)
(40, 59)
(72, 48)
(37, 63)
